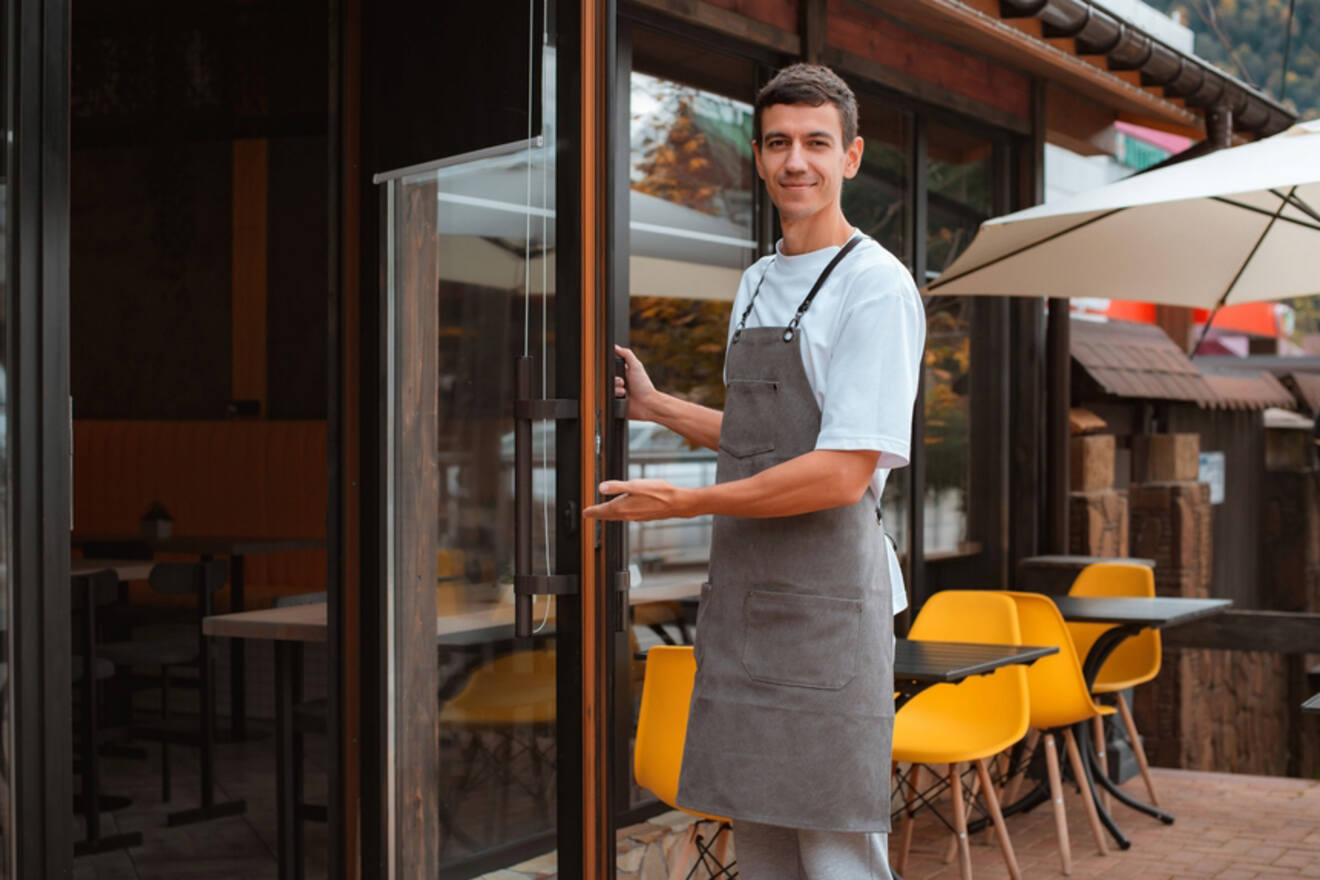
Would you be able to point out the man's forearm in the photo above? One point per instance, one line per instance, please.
(817, 480)
(697, 423)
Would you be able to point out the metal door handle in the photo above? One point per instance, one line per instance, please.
(526, 411)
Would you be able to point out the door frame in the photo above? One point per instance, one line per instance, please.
(39, 426)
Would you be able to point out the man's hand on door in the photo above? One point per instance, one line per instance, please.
(639, 500)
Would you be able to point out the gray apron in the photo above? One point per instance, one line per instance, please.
(793, 707)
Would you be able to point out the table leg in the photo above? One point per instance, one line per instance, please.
(288, 759)
(1095, 659)
(237, 664)
(206, 700)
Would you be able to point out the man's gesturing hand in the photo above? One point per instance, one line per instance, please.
(639, 500)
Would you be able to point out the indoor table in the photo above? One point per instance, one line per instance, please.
(1312, 706)
(1129, 616)
(207, 547)
(293, 626)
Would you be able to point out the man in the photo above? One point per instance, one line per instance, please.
(792, 710)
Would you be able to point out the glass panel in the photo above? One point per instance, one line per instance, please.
(959, 199)
(692, 181)
(876, 200)
(478, 236)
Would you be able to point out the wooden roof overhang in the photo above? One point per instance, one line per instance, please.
(1097, 68)
(1087, 50)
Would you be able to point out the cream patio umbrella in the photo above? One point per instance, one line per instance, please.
(1237, 225)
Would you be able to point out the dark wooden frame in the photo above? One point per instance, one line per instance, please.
(37, 357)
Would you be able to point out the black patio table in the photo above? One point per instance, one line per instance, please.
(1312, 706)
(1130, 615)
(207, 547)
(920, 664)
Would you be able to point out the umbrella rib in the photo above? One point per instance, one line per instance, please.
(1283, 203)
(1301, 206)
(1026, 247)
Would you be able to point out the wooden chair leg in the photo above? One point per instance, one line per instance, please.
(682, 857)
(1056, 797)
(1020, 772)
(909, 820)
(720, 851)
(1101, 756)
(1079, 771)
(951, 848)
(1001, 830)
(1137, 749)
(960, 821)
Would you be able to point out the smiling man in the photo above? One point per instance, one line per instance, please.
(792, 709)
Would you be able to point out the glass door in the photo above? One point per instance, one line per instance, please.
(483, 734)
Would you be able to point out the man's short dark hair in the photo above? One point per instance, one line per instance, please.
(812, 84)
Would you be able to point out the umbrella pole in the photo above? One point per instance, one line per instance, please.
(1283, 203)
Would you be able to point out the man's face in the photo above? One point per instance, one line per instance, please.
(802, 158)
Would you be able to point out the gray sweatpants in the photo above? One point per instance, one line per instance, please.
(772, 852)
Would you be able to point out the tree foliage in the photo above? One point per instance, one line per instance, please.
(1246, 39)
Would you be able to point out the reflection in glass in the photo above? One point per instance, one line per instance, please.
(692, 181)
(876, 200)
(959, 187)
(478, 236)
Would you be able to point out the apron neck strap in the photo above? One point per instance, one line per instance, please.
(791, 330)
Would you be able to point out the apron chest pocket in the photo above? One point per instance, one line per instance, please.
(803, 641)
(755, 405)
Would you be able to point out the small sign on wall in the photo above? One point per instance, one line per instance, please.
(1212, 472)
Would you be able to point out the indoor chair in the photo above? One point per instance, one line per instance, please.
(502, 717)
(658, 756)
(172, 653)
(970, 721)
(1135, 661)
(1059, 700)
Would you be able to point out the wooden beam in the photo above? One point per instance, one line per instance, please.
(1279, 632)
(248, 275)
(865, 68)
(974, 30)
(1074, 122)
(728, 23)
(595, 70)
(812, 14)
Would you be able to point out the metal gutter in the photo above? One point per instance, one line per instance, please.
(1097, 31)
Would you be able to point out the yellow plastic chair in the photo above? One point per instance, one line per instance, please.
(1135, 661)
(970, 721)
(1059, 700)
(658, 754)
(503, 718)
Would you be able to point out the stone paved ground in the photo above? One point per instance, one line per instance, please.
(1228, 827)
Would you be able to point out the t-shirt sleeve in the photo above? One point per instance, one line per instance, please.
(871, 381)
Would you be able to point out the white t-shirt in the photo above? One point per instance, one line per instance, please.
(861, 342)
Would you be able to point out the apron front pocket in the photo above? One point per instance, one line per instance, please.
(801, 640)
(754, 405)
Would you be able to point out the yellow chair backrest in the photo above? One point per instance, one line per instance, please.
(514, 688)
(662, 723)
(997, 701)
(1136, 660)
(1058, 691)
(984, 616)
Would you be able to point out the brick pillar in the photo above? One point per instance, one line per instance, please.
(1097, 512)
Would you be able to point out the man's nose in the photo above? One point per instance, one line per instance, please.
(796, 161)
